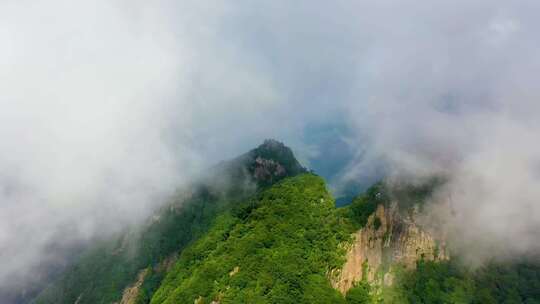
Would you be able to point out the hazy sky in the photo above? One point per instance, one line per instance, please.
(106, 106)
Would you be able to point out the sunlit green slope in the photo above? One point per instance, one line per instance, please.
(277, 248)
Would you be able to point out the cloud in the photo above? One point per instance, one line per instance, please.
(84, 92)
(449, 90)
(107, 106)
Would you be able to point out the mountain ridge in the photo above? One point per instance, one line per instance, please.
(106, 269)
(260, 228)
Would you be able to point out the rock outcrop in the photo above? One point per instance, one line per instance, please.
(129, 296)
(389, 238)
(131, 293)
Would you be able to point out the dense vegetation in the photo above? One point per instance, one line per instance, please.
(275, 250)
(449, 282)
(365, 204)
(103, 272)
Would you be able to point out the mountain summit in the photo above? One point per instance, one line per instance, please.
(270, 162)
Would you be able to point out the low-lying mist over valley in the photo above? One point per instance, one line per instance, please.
(137, 152)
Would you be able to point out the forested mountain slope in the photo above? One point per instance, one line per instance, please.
(103, 272)
(277, 248)
(259, 229)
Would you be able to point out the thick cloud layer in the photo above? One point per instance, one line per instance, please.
(107, 106)
(451, 91)
(83, 108)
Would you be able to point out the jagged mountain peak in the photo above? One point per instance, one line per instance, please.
(269, 162)
(273, 160)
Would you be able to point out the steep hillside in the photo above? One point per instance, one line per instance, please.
(389, 238)
(102, 273)
(276, 249)
(393, 259)
(291, 245)
(387, 235)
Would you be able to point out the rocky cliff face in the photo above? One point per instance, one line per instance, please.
(262, 166)
(390, 238)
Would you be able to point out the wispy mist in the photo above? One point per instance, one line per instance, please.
(450, 90)
(83, 103)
